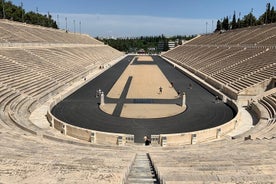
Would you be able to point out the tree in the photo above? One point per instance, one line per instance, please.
(225, 23)
(12, 12)
(239, 21)
(17, 13)
(249, 20)
(219, 25)
(234, 22)
(269, 16)
(143, 42)
(273, 15)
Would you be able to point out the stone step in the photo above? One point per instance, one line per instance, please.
(142, 160)
(141, 170)
(141, 166)
(142, 179)
(147, 181)
(144, 175)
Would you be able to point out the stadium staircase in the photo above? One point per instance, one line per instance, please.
(142, 170)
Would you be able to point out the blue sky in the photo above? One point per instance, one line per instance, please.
(128, 18)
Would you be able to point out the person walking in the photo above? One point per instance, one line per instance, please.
(190, 86)
(160, 90)
(172, 84)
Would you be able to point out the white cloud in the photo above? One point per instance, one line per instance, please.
(130, 25)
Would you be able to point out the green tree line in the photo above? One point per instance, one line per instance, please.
(269, 16)
(144, 42)
(16, 13)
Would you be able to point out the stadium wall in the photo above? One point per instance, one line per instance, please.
(87, 135)
(201, 135)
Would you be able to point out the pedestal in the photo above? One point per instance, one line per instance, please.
(183, 99)
(102, 99)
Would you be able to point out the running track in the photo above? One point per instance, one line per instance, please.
(81, 108)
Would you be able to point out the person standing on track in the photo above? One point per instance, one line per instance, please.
(160, 90)
(190, 86)
(172, 84)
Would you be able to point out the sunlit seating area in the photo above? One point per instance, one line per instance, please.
(31, 159)
(263, 35)
(228, 161)
(236, 60)
(263, 108)
(14, 32)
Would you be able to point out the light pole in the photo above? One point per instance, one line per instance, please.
(212, 26)
(251, 17)
(206, 26)
(80, 26)
(74, 26)
(3, 8)
(22, 11)
(58, 21)
(266, 13)
(229, 23)
(49, 20)
(66, 24)
(239, 19)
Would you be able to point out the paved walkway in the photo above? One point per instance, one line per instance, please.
(245, 123)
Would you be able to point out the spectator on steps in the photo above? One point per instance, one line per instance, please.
(147, 141)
